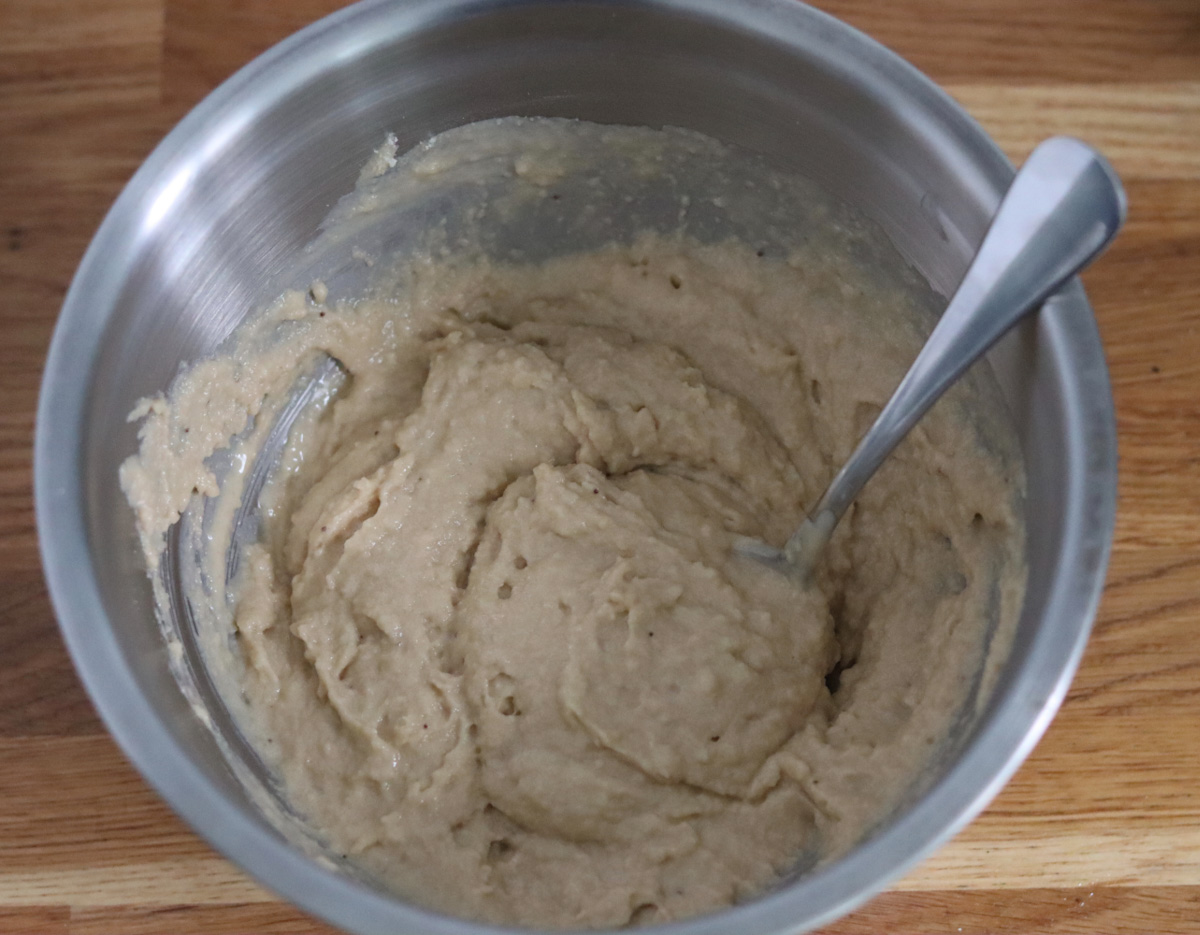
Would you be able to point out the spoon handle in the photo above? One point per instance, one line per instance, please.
(1062, 209)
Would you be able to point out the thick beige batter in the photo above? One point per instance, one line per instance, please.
(496, 640)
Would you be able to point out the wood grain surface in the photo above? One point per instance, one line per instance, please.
(1100, 829)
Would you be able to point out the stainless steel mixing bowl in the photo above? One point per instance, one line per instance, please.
(201, 233)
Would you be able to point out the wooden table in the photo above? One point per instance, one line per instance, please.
(1098, 832)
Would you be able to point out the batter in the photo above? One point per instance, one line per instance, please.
(493, 634)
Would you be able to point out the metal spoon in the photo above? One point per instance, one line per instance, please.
(316, 388)
(1064, 206)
